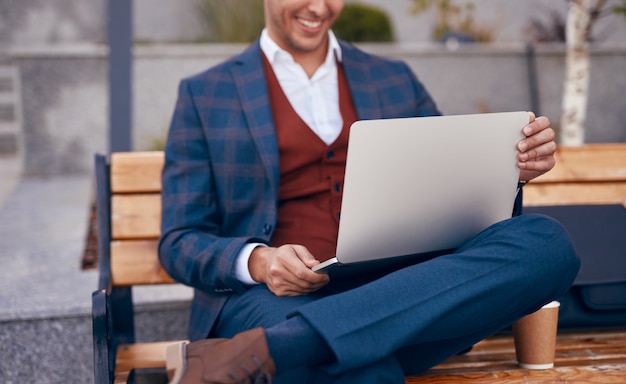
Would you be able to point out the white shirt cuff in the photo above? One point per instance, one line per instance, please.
(242, 273)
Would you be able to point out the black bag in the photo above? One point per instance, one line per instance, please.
(597, 299)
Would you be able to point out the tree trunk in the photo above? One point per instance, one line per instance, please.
(577, 66)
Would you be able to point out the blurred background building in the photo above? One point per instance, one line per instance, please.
(53, 56)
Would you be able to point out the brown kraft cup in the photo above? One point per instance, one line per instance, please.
(535, 337)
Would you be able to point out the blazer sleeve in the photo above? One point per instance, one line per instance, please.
(193, 248)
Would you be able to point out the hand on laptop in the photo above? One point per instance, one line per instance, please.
(536, 151)
(286, 270)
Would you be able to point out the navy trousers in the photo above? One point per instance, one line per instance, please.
(414, 318)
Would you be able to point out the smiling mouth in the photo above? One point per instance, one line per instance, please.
(310, 23)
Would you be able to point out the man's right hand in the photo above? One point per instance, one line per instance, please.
(286, 270)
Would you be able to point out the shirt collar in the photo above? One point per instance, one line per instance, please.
(272, 50)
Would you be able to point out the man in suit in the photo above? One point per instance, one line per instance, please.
(251, 196)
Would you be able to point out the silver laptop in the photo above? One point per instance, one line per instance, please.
(423, 186)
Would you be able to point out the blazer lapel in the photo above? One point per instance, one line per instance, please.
(250, 82)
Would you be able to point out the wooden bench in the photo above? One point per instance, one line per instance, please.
(129, 214)
(129, 211)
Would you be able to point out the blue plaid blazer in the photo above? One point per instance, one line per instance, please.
(220, 179)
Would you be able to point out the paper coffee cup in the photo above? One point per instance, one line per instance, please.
(535, 337)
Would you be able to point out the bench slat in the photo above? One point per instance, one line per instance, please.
(591, 162)
(136, 216)
(136, 171)
(609, 373)
(141, 171)
(542, 194)
(135, 262)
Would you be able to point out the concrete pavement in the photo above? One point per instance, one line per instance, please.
(45, 297)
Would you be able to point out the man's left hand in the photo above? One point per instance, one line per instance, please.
(536, 151)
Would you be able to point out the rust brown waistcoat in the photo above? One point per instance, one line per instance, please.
(311, 173)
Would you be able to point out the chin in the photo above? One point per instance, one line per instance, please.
(309, 44)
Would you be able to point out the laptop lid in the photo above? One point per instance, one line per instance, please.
(416, 185)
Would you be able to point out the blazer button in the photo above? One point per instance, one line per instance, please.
(267, 229)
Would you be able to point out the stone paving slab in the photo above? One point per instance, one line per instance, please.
(42, 227)
(45, 297)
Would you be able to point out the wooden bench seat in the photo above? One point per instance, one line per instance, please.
(581, 357)
(129, 212)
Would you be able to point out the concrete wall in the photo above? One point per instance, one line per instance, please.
(50, 22)
(64, 104)
(65, 91)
